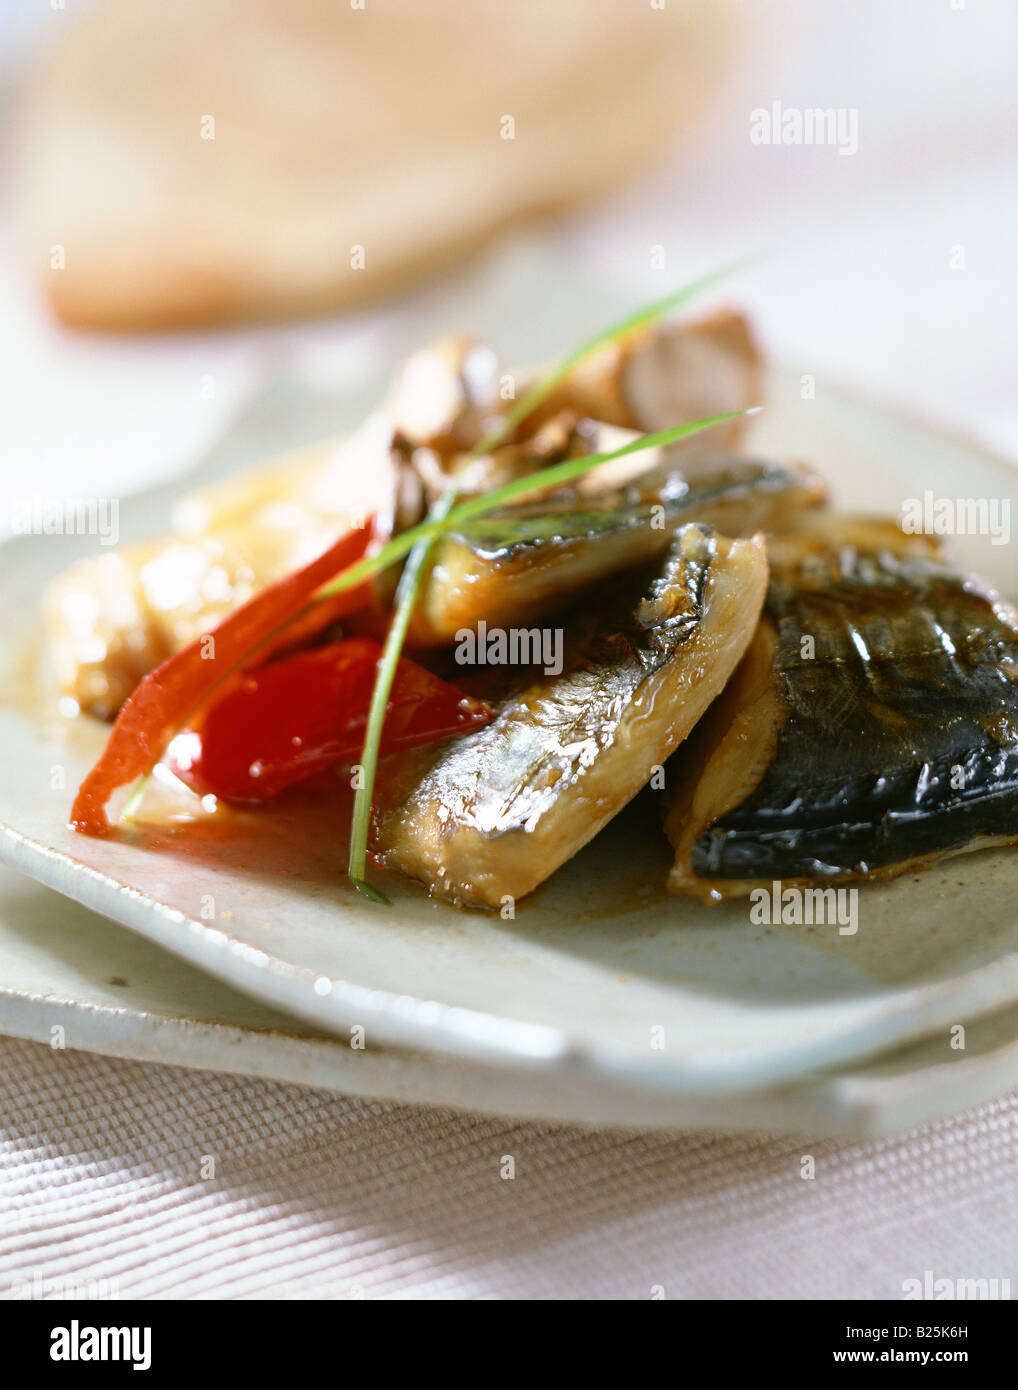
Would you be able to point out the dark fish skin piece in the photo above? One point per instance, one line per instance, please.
(518, 563)
(897, 741)
(719, 485)
(495, 813)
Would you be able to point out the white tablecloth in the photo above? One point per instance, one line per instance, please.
(320, 1196)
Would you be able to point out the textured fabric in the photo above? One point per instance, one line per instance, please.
(322, 1196)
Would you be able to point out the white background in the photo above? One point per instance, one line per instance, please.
(855, 282)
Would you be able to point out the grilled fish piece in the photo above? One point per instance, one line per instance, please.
(519, 563)
(495, 813)
(871, 728)
(112, 617)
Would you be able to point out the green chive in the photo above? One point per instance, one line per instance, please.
(406, 597)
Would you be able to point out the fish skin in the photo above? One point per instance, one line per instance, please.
(493, 814)
(915, 676)
(716, 484)
(519, 563)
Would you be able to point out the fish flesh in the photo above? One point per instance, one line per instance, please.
(486, 818)
(871, 728)
(519, 563)
(113, 617)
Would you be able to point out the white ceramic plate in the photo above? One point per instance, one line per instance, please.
(71, 978)
(599, 964)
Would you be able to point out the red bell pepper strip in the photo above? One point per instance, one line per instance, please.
(167, 696)
(304, 713)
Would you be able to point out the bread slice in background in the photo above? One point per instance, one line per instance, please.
(335, 128)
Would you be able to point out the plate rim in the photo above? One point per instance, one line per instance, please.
(845, 1104)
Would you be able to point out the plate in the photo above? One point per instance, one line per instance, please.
(108, 990)
(601, 980)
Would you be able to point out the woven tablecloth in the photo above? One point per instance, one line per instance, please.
(319, 1196)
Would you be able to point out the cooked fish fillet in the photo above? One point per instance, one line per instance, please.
(112, 617)
(494, 814)
(871, 728)
(519, 563)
